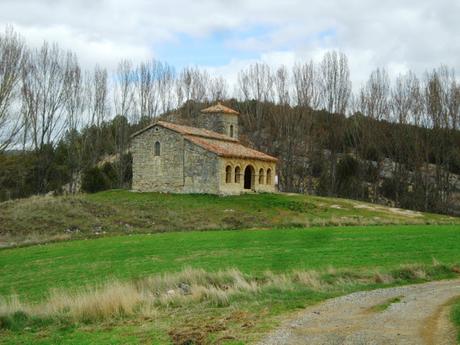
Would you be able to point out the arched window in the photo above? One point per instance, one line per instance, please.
(157, 148)
(231, 131)
(269, 176)
(228, 174)
(261, 176)
(237, 174)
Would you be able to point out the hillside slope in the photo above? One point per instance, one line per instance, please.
(44, 218)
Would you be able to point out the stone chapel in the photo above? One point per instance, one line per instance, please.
(173, 158)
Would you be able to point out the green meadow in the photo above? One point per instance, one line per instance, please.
(31, 271)
(128, 268)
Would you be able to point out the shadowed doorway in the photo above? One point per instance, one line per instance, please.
(249, 177)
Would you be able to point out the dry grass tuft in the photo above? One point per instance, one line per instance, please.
(312, 279)
(410, 272)
(11, 305)
(281, 282)
(331, 270)
(116, 299)
(383, 278)
(113, 300)
(435, 262)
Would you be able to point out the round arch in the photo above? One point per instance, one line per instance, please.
(249, 175)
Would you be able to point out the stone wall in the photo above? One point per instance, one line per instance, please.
(219, 123)
(181, 167)
(238, 187)
(163, 173)
(201, 170)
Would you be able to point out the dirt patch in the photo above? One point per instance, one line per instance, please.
(437, 329)
(394, 210)
(223, 329)
(197, 334)
(420, 317)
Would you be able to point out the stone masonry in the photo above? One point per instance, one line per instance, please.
(172, 158)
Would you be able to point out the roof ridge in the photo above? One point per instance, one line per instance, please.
(220, 108)
(229, 149)
(196, 131)
(187, 130)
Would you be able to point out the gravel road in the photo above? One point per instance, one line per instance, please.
(419, 315)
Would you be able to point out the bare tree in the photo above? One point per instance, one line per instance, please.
(335, 84)
(153, 82)
(441, 107)
(96, 106)
(166, 81)
(281, 81)
(405, 104)
(97, 94)
(335, 91)
(193, 84)
(306, 88)
(13, 56)
(145, 80)
(405, 98)
(306, 95)
(74, 108)
(374, 96)
(218, 89)
(124, 90)
(256, 83)
(74, 100)
(45, 93)
(124, 96)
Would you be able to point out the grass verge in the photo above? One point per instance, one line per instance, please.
(197, 307)
(456, 318)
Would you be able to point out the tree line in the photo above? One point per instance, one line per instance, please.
(390, 140)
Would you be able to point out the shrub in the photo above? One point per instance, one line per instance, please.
(389, 188)
(456, 317)
(348, 182)
(94, 180)
(110, 172)
(347, 168)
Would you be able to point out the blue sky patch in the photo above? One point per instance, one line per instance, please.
(211, 50)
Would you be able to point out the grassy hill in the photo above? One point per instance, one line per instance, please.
(200, 287)
(44, 218)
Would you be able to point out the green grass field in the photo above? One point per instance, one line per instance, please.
(31, 271)
(42, 219)
(119, 280)
(361, 251)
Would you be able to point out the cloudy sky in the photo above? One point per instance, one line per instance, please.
(226, 35)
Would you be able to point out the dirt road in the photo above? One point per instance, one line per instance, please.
(409, 315)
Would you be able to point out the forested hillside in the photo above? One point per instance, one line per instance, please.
(389, 141)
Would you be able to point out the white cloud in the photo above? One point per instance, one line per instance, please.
(394, 34)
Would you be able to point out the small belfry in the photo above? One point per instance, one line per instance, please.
(220, 119)
(209, 158)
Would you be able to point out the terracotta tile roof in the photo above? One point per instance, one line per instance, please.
(187, 130)
(219, 108)
(220, 144)
(229, 149)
